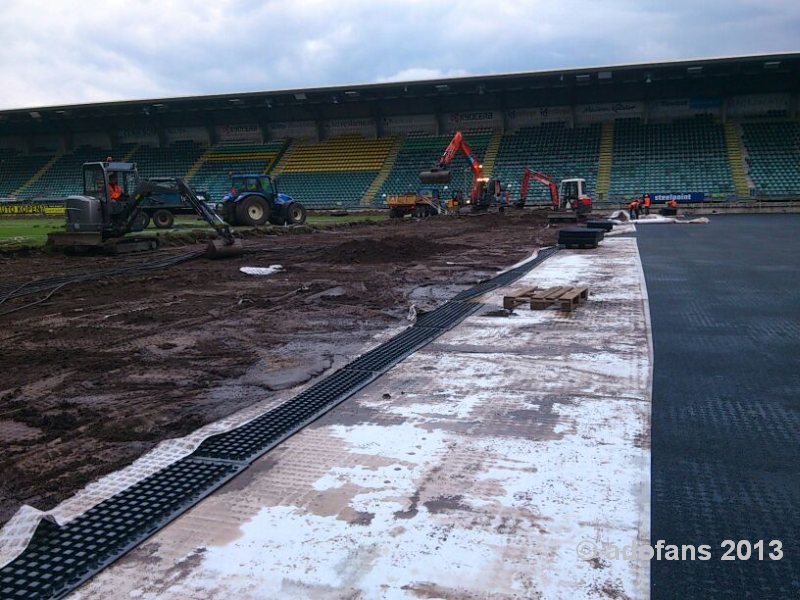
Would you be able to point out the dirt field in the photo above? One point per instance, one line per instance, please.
(101, 372)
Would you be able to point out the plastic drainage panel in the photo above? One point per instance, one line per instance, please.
(507, 277)
(59, 559)
(448, 315)
(251, 440)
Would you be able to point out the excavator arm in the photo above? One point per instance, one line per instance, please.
(523, 188)
(226, 246)
(441, 174)
(542, 178)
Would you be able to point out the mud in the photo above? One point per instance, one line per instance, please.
(100, 372)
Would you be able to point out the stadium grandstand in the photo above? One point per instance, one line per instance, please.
(721, 130)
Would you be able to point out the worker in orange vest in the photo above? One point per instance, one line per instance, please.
(114, 189)
(672, 203)
(647, 204)
(633, 209)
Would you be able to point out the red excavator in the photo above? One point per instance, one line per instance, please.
(484, 191)
(572, 197)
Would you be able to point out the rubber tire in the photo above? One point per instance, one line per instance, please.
(163, 219)
(144, 219)
(295, 214)
(252, 211)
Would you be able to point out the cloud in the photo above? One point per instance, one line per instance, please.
(419, 73)
(61, 52)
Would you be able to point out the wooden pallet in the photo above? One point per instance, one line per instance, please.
(567, 297)
(514, 300)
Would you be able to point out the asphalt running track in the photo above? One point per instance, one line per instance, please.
(725, 311)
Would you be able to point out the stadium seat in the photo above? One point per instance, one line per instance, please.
(333, 173)
(558, 151)
(773, 157)
(686, 155)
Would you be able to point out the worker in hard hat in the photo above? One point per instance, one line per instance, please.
(672, 203)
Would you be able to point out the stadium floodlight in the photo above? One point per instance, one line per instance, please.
(442, 87)
(772, 64)
(35, 114)
(694, 70)
(583, 78)
(300, 96)
(352, 94)
(604, 75)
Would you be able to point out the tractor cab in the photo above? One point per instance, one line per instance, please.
(573, 195)
(246, 184)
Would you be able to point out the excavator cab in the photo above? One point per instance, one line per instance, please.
(573, 195)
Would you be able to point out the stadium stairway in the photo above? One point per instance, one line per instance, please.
(278, 158)
(733, 143)
(283, 157)
(40, 173)
(490, 157)
(196, 166)
(383, 174)
(130, 153)
(605, 160)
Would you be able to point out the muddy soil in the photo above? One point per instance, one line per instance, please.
(101, 372)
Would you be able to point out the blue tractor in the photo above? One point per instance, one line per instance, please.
(254, 199)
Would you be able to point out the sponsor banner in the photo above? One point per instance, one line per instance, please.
(592, 113)
(679, 196)
(684, 107)
(181, 134)
(138, 135)
(304, 130)
(365, 127)
(247, 133)
(410, 124)
(30, 208)
(522, 117)
(476, 119)
(758, 104)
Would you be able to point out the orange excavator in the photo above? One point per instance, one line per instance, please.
(572, 197)
(483, 189)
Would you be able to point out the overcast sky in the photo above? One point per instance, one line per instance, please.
(58, 52)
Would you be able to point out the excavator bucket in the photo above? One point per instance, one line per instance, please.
(435, 175)
(222, 248)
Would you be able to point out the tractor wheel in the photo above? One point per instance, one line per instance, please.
(252, 211)
(296, 214)
(163, 219)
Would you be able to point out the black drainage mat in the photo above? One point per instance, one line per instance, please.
(396, 349)
(251, 440)
(448, 315)
(59, 559)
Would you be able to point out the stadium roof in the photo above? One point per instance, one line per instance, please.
(710, 77)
